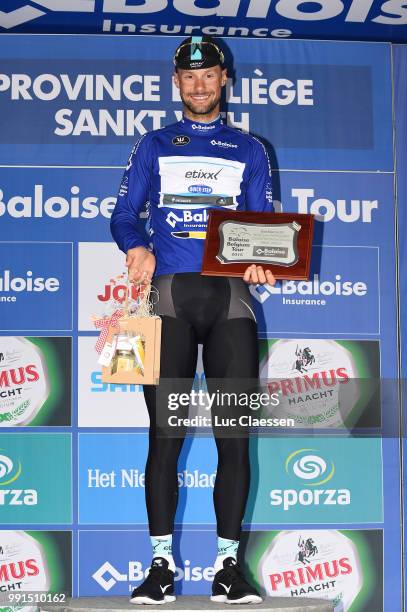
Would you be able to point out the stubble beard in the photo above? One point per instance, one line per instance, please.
(200, 108)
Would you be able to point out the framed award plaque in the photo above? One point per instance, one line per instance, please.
(280, 242)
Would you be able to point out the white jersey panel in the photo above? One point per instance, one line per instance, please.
(199, 182)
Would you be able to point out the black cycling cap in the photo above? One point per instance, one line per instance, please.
(198, 52)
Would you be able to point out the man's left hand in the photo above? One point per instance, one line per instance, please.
(256, 275)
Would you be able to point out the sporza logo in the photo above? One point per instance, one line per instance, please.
(309, 467)
(304, 464)
(107, 576)
(7, 468)
(226, 145)
(14, 497)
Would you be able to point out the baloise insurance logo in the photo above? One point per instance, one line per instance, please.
(39, 295)
(107, 576)
(313, 474)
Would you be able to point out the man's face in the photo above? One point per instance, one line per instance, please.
(200, 90)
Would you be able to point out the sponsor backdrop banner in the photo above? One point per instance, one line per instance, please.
(344, 566)
(353, 19)
(307, 480)
(74, 107)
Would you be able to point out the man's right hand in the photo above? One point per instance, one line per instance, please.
(141, 265)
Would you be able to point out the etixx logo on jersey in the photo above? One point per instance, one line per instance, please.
(181, 140)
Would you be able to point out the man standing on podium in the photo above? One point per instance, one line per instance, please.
(181, 172)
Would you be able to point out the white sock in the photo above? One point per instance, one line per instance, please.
(226, 548)
(162, 547)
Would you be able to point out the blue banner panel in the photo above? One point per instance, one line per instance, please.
(57, 203)
(115, 562)
(345, 566)
(400, 76)
(287, 93)
(326, 19)
(341, 297)
(349, 208)
(393, 551)
(111, 484)
(36, 286)
(294, 489)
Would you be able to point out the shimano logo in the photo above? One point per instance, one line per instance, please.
(107, 575)
(226, 145)
(203, 174)
(98, 386)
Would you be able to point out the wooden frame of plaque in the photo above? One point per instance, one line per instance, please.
(221, 252)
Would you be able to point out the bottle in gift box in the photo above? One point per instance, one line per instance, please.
(129, 354)
(138, 344)
(124, 359)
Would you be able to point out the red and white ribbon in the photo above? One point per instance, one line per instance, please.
(104, 324)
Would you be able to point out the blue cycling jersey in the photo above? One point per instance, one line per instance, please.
(180, 172)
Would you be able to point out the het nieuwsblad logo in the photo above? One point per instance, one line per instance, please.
(313, 471)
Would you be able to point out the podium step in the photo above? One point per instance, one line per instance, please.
(195, 604)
